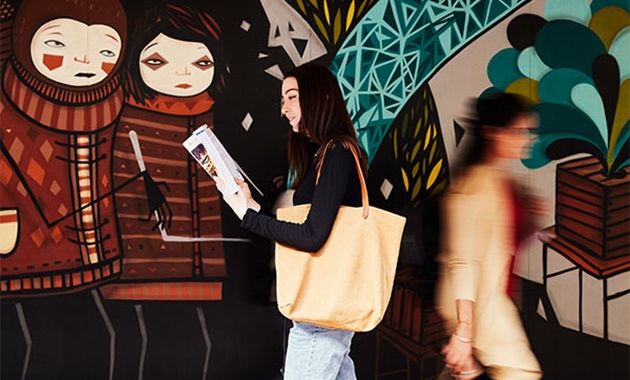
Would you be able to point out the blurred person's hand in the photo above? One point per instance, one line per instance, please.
(459, 358)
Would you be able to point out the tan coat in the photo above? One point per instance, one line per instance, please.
(475, 265)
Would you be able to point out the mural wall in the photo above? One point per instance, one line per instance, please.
(119, 260)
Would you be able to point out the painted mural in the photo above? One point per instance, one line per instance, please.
(119, 262)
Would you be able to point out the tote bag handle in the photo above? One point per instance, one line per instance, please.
(364, 194)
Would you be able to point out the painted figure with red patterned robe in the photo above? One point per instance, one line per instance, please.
(174, 69)
(60, 102)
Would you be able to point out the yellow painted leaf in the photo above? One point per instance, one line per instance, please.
(608, 22)
(301, 6)
(432, 152)
(405, 179)
(321, 27)
(361, 7)
(525, 87)
(350, 15)
(415, 150)
(622, 115)
(326, 12)
(418, 128)
(434, 174)
(416, 189)
(414, 171)
(337, 27)
(427, 138)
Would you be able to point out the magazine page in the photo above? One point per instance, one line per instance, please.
(208, 151)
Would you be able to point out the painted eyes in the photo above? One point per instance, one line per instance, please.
(58, 44)
(156, 61)
(153, 62)
(54, 43)
(204, 63)
(107, 53)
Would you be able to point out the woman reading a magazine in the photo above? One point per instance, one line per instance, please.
(313, 105)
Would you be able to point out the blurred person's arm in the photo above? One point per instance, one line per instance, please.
(465, 239)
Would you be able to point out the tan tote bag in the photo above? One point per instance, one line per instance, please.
(347, 284)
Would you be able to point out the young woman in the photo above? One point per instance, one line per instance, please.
(484, 215)
(313, 105)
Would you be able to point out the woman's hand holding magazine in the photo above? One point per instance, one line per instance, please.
(240, 201)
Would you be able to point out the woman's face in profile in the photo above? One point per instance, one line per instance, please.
(514, 140)
(291, 103)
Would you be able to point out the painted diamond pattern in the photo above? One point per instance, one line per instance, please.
(56, 235)
(16, 150)
(62, 210)
(55, 188)
(47, 150)
(36, 171)
(38, 237)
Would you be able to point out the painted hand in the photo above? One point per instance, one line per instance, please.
(156, 202)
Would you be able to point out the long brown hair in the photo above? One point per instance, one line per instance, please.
(324, 118)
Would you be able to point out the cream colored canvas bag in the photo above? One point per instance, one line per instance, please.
(346, 284)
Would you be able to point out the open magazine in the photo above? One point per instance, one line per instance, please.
(208, 151)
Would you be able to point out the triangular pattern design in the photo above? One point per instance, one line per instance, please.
(399, 44)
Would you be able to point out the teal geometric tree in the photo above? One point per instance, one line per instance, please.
(396, 47)
(574, 65)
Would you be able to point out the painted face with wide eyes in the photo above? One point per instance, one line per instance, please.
(175, 67)
(73, 53)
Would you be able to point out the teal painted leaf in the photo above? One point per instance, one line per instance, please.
(503, 68)
(530, 64)
(570, 146)
(599, 4)
(622, 159)
(490, 91)
(562, 43)
(556, 86)
(558, 120)
(573, 143)
(620, 49)
(587, 99)
(579, 10)
(623, 138)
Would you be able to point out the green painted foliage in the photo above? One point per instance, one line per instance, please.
(577, 73)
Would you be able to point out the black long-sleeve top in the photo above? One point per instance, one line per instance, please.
(338, 185)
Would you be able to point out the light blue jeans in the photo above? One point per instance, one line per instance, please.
(318, 353)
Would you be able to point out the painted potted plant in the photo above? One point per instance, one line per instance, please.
(574, 65)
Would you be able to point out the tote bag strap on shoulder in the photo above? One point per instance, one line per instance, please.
(364, 194)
